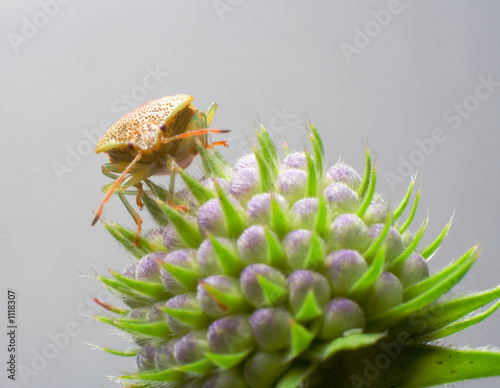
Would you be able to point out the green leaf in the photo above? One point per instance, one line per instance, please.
(121, 353)
(273, 292)
(318, 149)
(296, 374)
(301, 339)
(322, 224)
(235, 219)
(280, 223)
(309, 310)
(153, 290)
(228, 258)
(315, 255)
(367, 175)
(433, 246)
(374, 247)
(268, 150)
(126, 238)
(312, 177)
(211, 163)
(402, 205)
(369, 278)
(367, 199)
(411, 248)
(277, 256)
(408, 221)
(149, 329)
(265, 173)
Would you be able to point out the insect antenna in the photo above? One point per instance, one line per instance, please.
(195, 133)
(115, 185)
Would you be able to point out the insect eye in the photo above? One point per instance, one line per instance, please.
(130, 145)
(163, 128)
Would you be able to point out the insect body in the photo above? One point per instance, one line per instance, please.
(143, 142)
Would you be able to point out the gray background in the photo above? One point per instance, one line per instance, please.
(277, 59)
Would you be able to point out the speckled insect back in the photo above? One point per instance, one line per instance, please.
(286, 274)
(154, 138)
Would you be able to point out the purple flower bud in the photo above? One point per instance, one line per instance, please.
(148, 268)
(192, 347)
(343, 173)
(376, 213)
(164, 357)
(393, 242)
(171, 237)
(246, 161)
(413, 270)
(297, 244)
(187, 198)
(257, 293)
(226, 378)
(139, 313)
(185, 303)
(271, 327)
(130, 270)
(297, 160)
(182, 258)
(220, 296)
(209, 184)
(245, 184)
(207, 257)
(230, 335)
(301, 283)
(339, 315)
(343, 268)
(341, 198)
(264, 368)
(348, 231)
(305, 211)
(252, 245)
(145, 359)
(387, 293)
(292, 184)
(211, 218)
(259, 207)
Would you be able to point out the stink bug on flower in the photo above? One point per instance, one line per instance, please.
(145, 141)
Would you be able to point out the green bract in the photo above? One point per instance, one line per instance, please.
(287, 273)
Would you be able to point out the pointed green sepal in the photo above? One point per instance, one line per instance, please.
(390, 317)
(227, 361)
(167, 375)
(351, 342)
(120, 289)
(367, 175)
(318, 150)
(272, 292)
(121, 353)
(265, 174)
(196, 319)
(201, 367)
(310, 309)
(200, 192)
(312, 177)
(152, 206)
(409, 220)
(367, 199)
(211, 164)
(111, 308)
(398, 261)
(374, 247)
(316, 254)
(296, 374)
(158, 329)
(187, 276)
(277, 256)
(268, 150)
(235, 219)
(126, 238)
(429, 250)
(228, 258)
(404, 202)
(231, 302)
(301, 339)
(322, 222)
(364, 284)
(188, 231)
(280, 222)
(153, 290)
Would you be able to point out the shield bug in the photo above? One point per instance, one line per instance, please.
(145, 141)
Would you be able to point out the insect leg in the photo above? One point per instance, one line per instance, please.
(115, 186)
(135, 216)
